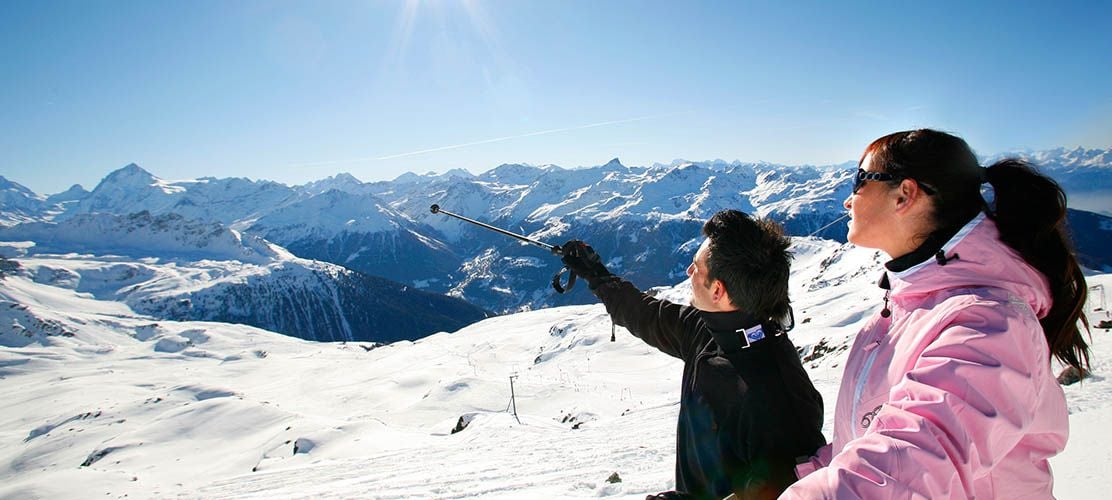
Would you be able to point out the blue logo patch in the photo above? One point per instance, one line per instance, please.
(754, 334)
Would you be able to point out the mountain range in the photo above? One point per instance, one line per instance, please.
(172, 268)
(644, 221)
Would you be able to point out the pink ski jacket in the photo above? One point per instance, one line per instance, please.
(952, 396)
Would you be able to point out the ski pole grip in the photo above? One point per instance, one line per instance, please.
(556, 281)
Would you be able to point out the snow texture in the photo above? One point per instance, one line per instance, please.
(102, 401)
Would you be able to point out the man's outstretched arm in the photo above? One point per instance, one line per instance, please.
(661, 324)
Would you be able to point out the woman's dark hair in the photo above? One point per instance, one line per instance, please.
(1030, 212)
(750, 256)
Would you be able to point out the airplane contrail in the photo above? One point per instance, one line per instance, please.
(488, 141)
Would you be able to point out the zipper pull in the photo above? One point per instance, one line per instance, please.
(871, 345)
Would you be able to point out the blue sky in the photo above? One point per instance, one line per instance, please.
(297, 91)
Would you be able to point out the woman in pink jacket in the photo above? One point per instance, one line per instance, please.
(948, 390)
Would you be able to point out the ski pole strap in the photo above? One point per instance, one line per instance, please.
(556, 281)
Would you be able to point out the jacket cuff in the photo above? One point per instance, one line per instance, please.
(807, 465)
(594, 284)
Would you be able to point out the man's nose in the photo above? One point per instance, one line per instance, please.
(690, 269)
(847, 203)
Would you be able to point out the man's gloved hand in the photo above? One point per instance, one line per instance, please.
(582, 260)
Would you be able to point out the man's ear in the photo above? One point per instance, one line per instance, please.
(719, 291)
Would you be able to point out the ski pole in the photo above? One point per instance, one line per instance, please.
(551, 248)
(819, 230)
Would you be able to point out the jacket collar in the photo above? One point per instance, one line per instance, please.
(935, 246)
(734, 330)
(973, 257)
(931, 248)
(728, 321)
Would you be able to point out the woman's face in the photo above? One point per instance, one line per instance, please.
(872, 221)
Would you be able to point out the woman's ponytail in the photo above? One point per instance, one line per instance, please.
(1030, 212)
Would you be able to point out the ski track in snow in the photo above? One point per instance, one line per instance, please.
(136, 407)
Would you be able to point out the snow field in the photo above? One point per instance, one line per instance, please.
(128, 405)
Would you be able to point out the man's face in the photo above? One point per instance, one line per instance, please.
(702, 290)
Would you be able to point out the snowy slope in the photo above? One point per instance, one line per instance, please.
(326, 215)
(100, 401)
(172, 268)
(359, 232)
(143, 235)
(18, 203)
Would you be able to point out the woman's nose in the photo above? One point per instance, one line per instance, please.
(847, 203)
(690, 269)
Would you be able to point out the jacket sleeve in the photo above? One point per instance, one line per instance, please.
(664, 325)
(819, 460)
(964, 404)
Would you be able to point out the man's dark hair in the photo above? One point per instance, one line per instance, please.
(750, 256)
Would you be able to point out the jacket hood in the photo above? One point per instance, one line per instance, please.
(974, 257)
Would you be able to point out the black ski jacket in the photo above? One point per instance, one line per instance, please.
(746, 413)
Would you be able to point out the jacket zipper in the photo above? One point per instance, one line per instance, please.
(871, 348)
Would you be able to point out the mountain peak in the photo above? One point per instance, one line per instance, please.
(74, 193)
(7, 185)
(406, 178)
(131, 173)
(74, 190)
(342, 181)
(345, 177)
(513, 173)
(614, 163)
(458, 172)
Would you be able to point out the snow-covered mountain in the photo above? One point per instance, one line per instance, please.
(340, 182)
(644, 220)
(1083, 173)
(141, 234)
(100, 401)
(169, 267)
(360, 232)
(19, 204)
(75, 193)
(132, 189)
(1060, 158)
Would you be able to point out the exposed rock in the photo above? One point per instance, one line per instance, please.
(1071, 375)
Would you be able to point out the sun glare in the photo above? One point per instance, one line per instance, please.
(469, 15)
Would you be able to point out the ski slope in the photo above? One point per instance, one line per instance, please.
(102, 402)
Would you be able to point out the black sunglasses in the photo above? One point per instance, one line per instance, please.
(863, 177)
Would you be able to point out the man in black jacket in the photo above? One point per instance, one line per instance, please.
(747, 408)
